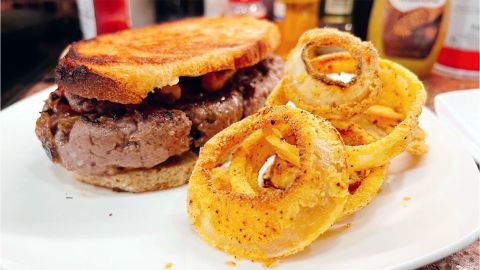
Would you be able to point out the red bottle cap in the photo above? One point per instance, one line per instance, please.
(110, 16)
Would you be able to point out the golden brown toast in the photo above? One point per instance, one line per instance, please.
(124, 67)
(172, 173)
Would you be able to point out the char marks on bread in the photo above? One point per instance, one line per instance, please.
(124, 67)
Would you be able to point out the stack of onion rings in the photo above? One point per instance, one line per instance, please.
(391, 117)
(382, 131)
(321, 171)
(393, 120)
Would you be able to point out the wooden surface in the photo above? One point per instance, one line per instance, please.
(435, 83)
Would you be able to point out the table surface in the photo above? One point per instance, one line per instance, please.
(435, 83)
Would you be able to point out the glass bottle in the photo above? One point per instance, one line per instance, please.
(337, 14)
(254, 8)
(293, 18)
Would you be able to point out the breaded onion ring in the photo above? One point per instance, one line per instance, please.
(393, 118)
(277, 96)
(363, 185)
(364, 189)
(392, 121)
(405, 95)
(314, 91)
(418, 146)
(334, 63)
(264, 223)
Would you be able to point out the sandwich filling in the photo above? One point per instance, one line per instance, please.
(105, 138)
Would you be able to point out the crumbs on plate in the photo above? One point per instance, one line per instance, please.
(230, 263)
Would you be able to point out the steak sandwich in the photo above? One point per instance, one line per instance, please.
(132, 108)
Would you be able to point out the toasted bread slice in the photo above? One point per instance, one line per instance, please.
(172, 173)
(124, 67)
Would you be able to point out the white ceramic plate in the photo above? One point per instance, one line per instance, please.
(461, 110)
(43, 228)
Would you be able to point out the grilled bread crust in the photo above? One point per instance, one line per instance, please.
(172, 173)
(124, 67)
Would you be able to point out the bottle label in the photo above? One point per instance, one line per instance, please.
(408, 5)
(462, 41)
(338, 7)
(278, 10)
(463, 31)
(411, 27)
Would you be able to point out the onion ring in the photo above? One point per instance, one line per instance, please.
(405, 94)
(365, 184)
(264, 223)
(277, 96)
(364, 189)
(316, 92)
(393, 118)
(418, 146)
(334, 63)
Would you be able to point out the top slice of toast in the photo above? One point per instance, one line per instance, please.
(125, 66)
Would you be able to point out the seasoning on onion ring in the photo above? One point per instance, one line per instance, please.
(364, 189)
(334, 63)
(392, 119)
(277, 96)
(405, 95)
(314, 91)
(267, 222)
(418, 146)
(365, 184)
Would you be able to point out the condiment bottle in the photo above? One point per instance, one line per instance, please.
(460, 55)
(409, 32)
(336, 14)
(360, 15)
(293, 18)
(254, 8)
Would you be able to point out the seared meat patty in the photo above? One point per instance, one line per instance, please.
(84, 105)
(101, 137)
(257, 83)
(131, 141)
(105, 144)
(213, 114)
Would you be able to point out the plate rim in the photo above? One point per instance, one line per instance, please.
(444, 115)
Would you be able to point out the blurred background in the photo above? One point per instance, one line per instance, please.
(418, 34)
